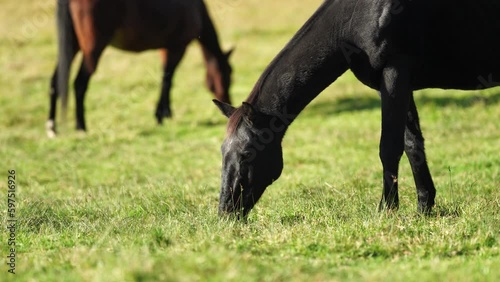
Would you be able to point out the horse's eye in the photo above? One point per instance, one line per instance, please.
(246, 156)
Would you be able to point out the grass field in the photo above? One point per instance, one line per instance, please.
(132, 201)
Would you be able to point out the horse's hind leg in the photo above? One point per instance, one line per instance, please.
(95, 23)
(395, 93)
(50, 126)
(414, 149)
(171, 59)
(82, 82)
(81, 85)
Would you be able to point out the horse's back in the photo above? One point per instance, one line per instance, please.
(458, 43)
(154, 24)
(452, 43)
(138, 25)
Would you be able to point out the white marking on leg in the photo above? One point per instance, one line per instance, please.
(50, 128)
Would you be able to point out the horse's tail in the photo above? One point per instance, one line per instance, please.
(66, 39)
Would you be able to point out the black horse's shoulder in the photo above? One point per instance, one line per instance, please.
(364, 27)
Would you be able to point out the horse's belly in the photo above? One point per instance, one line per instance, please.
(135, 41)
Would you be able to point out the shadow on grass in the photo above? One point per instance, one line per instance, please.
(160, 130)
(372, 102)
(347, 104)
(460, 101)
(212, 122)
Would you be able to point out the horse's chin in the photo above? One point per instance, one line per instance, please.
(230, 209)
(236, 213)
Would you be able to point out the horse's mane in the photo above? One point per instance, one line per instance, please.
(235, 119)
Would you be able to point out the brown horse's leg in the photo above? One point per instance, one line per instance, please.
(82, 82)
(94, 27)
(81, 85)
(171, 59)
(414, 149)
(395, 92)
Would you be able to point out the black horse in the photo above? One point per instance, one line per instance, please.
(392, 46)
(133, 25)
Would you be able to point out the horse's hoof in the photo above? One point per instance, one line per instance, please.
(385, 206)
(81, 129)
(81, 134)
(162, 115)
(167, 114)
(50, 129)
(159, 120)
(424, 209)
(51, 134)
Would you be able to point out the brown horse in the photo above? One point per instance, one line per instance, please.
(133, 25)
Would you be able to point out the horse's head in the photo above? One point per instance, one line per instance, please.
(251, 157)
(219, 76)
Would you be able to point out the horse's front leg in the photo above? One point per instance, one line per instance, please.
(395, 92)
(415, 151)
(87, 69)
(171, 58)
(80, 86)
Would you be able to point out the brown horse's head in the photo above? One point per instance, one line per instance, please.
(219, 76)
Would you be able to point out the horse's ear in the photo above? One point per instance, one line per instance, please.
(247, 109)
(249, 113)
(252, 116)
(228, 53)
(226, 109)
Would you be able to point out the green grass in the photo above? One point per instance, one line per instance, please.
(131, 201)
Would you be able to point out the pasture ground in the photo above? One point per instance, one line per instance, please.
(131, 201)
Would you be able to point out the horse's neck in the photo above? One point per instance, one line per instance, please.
(212, 56)
(310, 62)
(208, 38)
